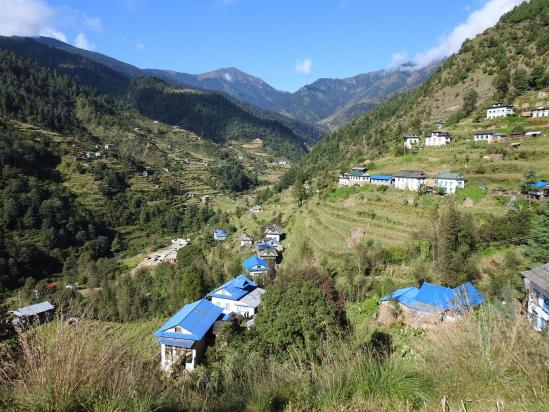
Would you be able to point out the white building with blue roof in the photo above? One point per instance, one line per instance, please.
(220, 234)
(256, 266)
(182, 338)
(239, 295)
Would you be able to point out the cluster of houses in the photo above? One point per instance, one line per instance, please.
(436, 139)
(500, 109)
(184, 337)
(405, 180)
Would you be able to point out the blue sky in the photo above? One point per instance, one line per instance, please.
(286, 43)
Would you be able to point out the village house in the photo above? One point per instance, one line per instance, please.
(410, 180)
(239, 295)
(274, 232)
(220, 234)
(500, 110)
(256, 209)
(540, 112)
(267, 252)
(246, 241)
(539, 190)
(533, 133)
(431, 304)
(381, 180)
(536, 282)
(438, 138)
(38, 313)
(256, 267)
(411, 141)
(450, 182)
(109, 146)
(182, 338)
(344, 180)
(205, 199)
(91, 155)
(440, 124)
(487, 136)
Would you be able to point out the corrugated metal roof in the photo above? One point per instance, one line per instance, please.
(220, 233)
(539, 184)
(34, 310)
(381, 177)
(435, 298)
(416, 174)
(452, 176)
(236, 288)
(539, 275)
(274, 230)
(196, 318)
(253, 299)
(255, 264)
(180, 343)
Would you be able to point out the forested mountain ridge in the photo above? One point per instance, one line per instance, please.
(325, 103)
(208, 114)
(502, 63)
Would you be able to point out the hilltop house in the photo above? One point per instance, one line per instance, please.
(256, 267)
(539, 190)
(500, 110)
(267, 252)
(410, 141)
(487, 136)
(239, 295)
(381, 180)
(410, 179)
(431, 303)
(540, 112)
(536, 282)
(38, 313)
(274, 232)
(256, 209)
(220, 234)
(450, 182)
(182, 338)
(246, 241)
(438, 138)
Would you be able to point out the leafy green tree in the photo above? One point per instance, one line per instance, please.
(501, 83)
(529, 178)
(538, 77)
(538, 244)
(455, 240)
(520, 81)
(298, 312)
(470, 100)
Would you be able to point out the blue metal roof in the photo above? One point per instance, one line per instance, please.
(255, 264)
(220, 233)
(380, 177)
(236, 288)
(196, 318)
(432, 298)
(266, 244)
(539, 184)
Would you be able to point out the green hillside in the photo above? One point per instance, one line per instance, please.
(502, 63)
(210, 115)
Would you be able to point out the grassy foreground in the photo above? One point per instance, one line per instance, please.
(487, 360)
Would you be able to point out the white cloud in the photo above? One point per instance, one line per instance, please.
(304, 66)
(28, 18)
(478, 21)
(140, 46)
(93, 23)
(82, 42)
(398, 58)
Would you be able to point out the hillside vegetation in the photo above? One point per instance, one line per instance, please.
(209, 115)
(500, 64)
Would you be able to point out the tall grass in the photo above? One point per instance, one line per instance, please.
(486, 357)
